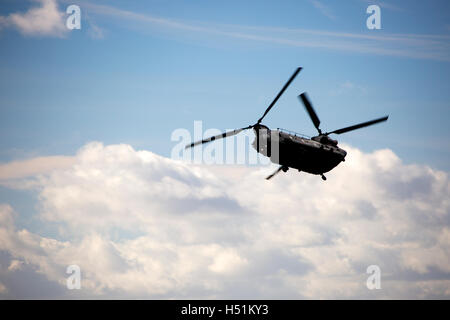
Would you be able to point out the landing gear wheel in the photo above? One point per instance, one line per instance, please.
(323, 177)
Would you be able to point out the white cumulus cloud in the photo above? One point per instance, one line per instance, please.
(43, 20)
(141, 225)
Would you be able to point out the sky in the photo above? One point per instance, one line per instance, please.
(87, 174)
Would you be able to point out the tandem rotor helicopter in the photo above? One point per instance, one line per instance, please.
(316, 155)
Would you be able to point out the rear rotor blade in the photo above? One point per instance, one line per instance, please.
(358, 126)
(275, 173)
(280, 93)
(219, 136)
(310, 109)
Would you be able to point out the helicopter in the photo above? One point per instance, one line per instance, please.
(316, 155)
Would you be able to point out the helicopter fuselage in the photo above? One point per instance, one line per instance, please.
(317, 155)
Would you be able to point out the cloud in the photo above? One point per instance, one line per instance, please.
(45, 20)
(349, 87)
(416, 46)
(144, 226)
(325, 10)
(3, 289)
(34, 166)
(95, 32)
(15, 265)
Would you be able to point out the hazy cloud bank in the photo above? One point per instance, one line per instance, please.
(141, 225)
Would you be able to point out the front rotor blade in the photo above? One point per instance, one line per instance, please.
(310, 109)
(358, 126)
(280, 93)
(219, 136)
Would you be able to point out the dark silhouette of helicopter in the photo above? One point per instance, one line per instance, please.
(315, 155)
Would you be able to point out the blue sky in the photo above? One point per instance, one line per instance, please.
(139, 80)
(138, 70)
